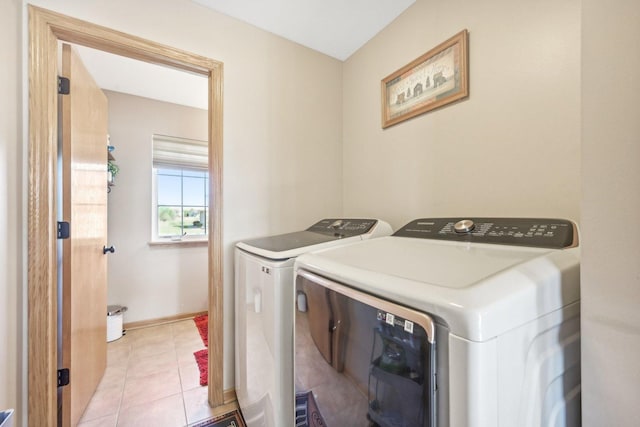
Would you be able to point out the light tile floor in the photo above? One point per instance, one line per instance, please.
(151, 379)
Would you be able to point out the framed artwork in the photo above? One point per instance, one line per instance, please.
(437, 78)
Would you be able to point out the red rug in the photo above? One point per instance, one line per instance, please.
(202, 323)
(202, 356)
(202, 359)
(307, 411)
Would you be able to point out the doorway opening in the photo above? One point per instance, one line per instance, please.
(46, 29)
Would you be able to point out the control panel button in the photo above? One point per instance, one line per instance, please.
(464, 226)
(532, 232)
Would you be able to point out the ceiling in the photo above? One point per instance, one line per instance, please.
(334, 27)
(326, 26)
(126, 75)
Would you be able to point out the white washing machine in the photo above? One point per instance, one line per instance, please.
(264, 298)
(448, 322)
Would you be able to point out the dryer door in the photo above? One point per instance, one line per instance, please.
(360, 360)
(320, 319)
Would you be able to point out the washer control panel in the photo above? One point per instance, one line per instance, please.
(343, 227)
(534, 232)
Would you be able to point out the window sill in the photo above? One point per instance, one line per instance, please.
(180, 243)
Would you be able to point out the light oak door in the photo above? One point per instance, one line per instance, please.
(84, 115)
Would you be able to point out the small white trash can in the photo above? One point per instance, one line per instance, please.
(114, 321)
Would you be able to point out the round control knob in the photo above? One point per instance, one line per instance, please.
(464, 226)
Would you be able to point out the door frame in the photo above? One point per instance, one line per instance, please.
(46, 28)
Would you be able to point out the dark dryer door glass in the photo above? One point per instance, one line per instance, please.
(360, 360)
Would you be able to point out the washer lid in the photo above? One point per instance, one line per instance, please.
(325, 233)
(479, 290)
(442, 264)
(286, 242)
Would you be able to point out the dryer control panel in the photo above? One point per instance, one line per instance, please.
(533, 232)
(343, 227)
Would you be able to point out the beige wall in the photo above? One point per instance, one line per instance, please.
(152, 281)
(610, 213)
(11, 224)
(282, 119)
(511, 149)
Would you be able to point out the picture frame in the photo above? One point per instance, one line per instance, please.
(435, 79)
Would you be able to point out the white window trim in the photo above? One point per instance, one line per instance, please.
(190, 240)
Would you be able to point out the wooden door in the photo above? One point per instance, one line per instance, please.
(84, 152)
(320, 318)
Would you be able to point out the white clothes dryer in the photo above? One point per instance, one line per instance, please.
(264, 301)
(448, 322)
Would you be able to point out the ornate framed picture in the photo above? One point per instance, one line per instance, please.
(437, 78)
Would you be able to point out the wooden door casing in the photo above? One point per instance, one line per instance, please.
(46, 29)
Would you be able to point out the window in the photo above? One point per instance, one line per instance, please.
(181, 188)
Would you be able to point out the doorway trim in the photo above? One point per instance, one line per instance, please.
(46, 28)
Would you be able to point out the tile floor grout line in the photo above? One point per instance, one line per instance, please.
(184, 402)
(137, 341)
(124, 382)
